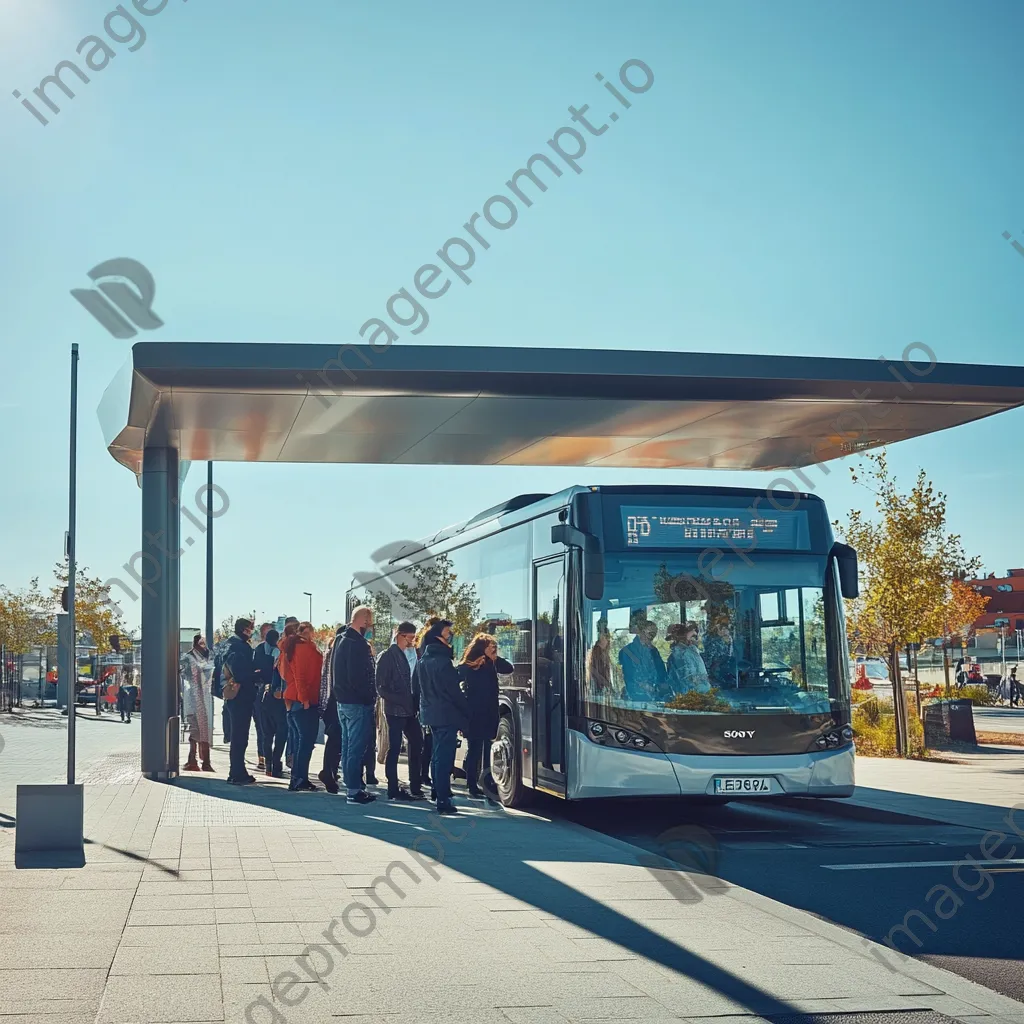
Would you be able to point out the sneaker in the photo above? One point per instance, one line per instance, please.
(448, 809)
(372, 780)
(417, 794)
(247, 781)
(475, 794)
(433, 793)
(308, 787)
(261, 765)
(251, 778)
(362, 798)
(458, 773)
(401, 796)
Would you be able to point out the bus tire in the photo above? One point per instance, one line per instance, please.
(506, 765)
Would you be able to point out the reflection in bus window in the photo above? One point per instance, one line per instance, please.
(663, 639)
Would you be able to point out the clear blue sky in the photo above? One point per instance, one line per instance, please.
(802, 178)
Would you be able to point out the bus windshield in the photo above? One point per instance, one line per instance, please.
(665, 639)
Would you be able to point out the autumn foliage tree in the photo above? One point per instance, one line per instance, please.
(26, 618)
(909, 564)
(95, 612)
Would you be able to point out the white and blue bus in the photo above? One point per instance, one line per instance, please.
(667, 641)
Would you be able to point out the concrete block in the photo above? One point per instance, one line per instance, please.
(49, 832)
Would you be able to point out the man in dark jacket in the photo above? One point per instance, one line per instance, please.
(238, 659)
(353, 674)
(394, 684)
(443, 707)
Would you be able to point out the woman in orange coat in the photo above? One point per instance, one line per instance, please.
(303, 662)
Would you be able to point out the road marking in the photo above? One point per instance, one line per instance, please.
(919, 864)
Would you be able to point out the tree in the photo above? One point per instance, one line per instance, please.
(95, 611)
(26, 620)
(908, 562)
(959, 611)
(435, 590)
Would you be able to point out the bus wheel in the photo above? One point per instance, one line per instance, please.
(506, 766)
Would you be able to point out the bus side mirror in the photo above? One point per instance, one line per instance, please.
(593, 557)
(846, 560)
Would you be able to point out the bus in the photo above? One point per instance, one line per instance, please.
(666, 641)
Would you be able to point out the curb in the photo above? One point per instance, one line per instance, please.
(978, 1001)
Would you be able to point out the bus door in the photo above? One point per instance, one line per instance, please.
(549, 676)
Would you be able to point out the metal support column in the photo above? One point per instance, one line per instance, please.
(160, 612)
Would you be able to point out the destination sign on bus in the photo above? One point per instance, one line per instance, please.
(704, 527)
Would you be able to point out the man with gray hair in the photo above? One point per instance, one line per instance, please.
(354, 689)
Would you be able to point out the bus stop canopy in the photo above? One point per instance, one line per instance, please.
(532, 406)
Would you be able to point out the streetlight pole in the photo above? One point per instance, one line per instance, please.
(72, 516)
(310, 596)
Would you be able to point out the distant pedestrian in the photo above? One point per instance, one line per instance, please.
(353, 674)
(291, 628)
(478, 674)
(197, 674)
(131, 696)
(303, 694)
(395, 668)
(122, 702)
(272, 711)
(443, 707)
(238, 664)
(328, 774)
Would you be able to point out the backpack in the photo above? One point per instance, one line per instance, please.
(215, 684)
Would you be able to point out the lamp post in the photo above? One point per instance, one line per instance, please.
(310, 596)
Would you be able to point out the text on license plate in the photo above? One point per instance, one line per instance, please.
(743, 784)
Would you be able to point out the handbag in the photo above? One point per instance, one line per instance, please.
(229, 687)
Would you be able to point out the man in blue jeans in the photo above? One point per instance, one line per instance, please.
(443, 706)
(355, 691)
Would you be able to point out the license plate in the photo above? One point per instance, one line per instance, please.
(740, 784)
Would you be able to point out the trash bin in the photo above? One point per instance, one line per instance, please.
(949, 720)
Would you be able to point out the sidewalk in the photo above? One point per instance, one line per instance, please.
(978, 794)
(203, 902)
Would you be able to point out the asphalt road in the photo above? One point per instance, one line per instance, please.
(858, 868)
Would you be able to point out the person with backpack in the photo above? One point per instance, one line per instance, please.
(238, 683)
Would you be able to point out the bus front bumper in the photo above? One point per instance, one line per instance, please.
(597, 771)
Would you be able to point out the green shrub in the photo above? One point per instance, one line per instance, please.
(979, 694)
(874, 727)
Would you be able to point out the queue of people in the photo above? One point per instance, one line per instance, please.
(411, 693)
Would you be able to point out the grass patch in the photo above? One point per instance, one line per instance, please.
(1002, 739)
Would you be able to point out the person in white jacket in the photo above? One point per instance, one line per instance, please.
(197, 698)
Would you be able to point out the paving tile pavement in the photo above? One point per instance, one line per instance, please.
(201, 903)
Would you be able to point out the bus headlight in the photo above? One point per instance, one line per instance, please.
(821, 741)
(622, 736)
(833, 739)
(847, 733)
(597, 729)
(640, 741)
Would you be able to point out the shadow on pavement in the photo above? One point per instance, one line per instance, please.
(506, 872)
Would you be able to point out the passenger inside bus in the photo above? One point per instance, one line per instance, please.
(686, 669)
